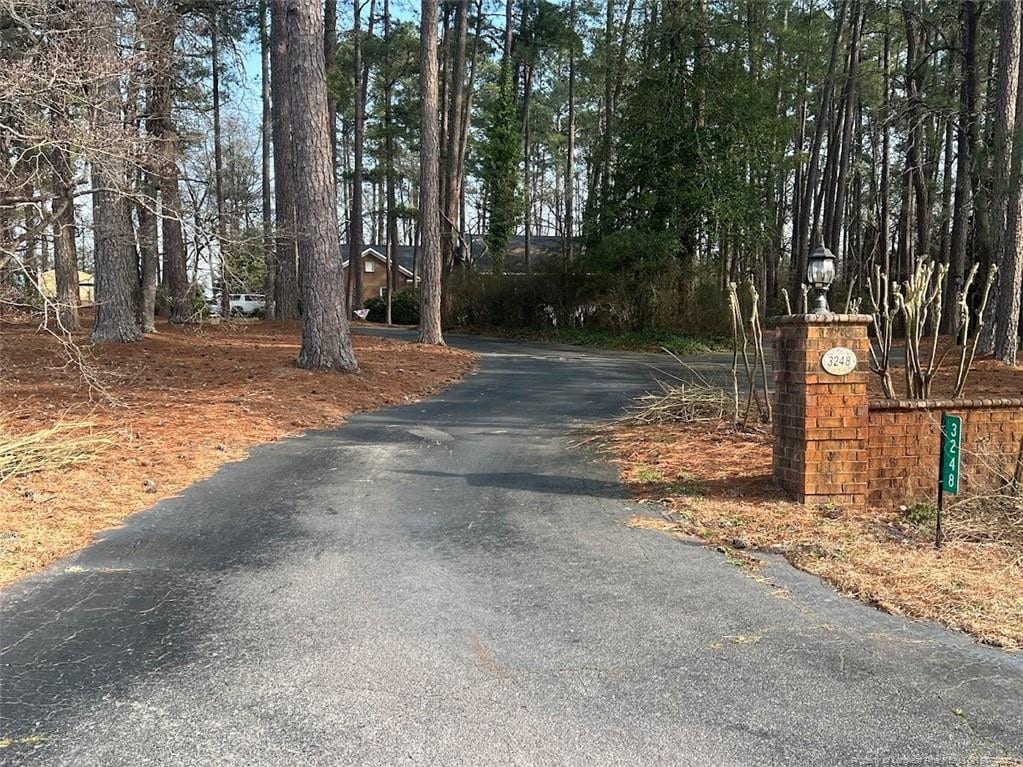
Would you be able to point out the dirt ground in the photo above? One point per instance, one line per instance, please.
(716, 484)
(173, 408)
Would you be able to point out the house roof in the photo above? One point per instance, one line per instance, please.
(405, 256)
(543, 252)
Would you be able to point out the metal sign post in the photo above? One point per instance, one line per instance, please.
(948, 467)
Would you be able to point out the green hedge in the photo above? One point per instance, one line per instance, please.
(404, 308)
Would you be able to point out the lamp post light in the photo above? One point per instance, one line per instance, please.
(820, 273)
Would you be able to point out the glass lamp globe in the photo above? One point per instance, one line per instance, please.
(820, 268)
(820, 273)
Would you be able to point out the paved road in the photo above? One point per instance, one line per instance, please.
(453, 583)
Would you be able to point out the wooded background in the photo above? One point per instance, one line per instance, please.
(611, 164)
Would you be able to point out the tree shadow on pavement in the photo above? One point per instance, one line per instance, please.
(534, 483)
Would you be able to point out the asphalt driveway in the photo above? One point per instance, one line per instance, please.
(454, 583)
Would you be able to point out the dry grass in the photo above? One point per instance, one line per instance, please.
(183, 402)
(716, 482)
(55, 447)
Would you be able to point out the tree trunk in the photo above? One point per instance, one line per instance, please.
(116, 272)
(508, 15)
(468, 101)
(962, 208)
(355, 224)
(326, 339)
(1004, 146)
(286, 288)
(801, 240)
(885, 225)
(948, 154)
(65, 254)
(346, 190)
(44, 240)
(915, 144)
(570, 154)
(1007, 336)
(162, 24)
(848, 129)
(453, 155)
(602, 169)
(527, 92)
(269, 257)
(329, 55)
(218, 167)
(148, 256)
(429, 185)
(391, 213)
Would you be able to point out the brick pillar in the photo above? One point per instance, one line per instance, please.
(820, 419)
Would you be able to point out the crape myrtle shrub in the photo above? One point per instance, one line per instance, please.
(628, 281)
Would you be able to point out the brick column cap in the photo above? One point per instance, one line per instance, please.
(946, 404)
(820, 319)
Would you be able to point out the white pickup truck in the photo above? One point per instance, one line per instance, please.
(242, 304)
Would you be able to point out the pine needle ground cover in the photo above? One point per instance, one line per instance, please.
(76, 459)
(715, 483)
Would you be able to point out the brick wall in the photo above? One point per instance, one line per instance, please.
(903, 439)
(820, 420)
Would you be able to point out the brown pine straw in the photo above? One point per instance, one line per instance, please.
(715, 483)
(174, 407)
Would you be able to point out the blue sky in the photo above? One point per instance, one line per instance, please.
(245, 97)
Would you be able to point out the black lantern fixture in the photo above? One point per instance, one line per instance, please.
(820, 273)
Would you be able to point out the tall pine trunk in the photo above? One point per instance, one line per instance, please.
(1004, 146)
(453, 155)
(218, 167)
(116, 278)
(161, 125)
(1007, 335)
(962, 206)
(527, 93)
(801, 237)
(326, 339)
(265, 132)
(915, 144)
(286, 288)
(148, 251)
(65, 253)
(848, 130)
(329, 55)
(570, 153)
(429, 185)
(355, 224)
(391, 211)
(885, 225)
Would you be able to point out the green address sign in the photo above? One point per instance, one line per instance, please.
(951, 443)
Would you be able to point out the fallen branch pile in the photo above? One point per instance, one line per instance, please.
(684, 403)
